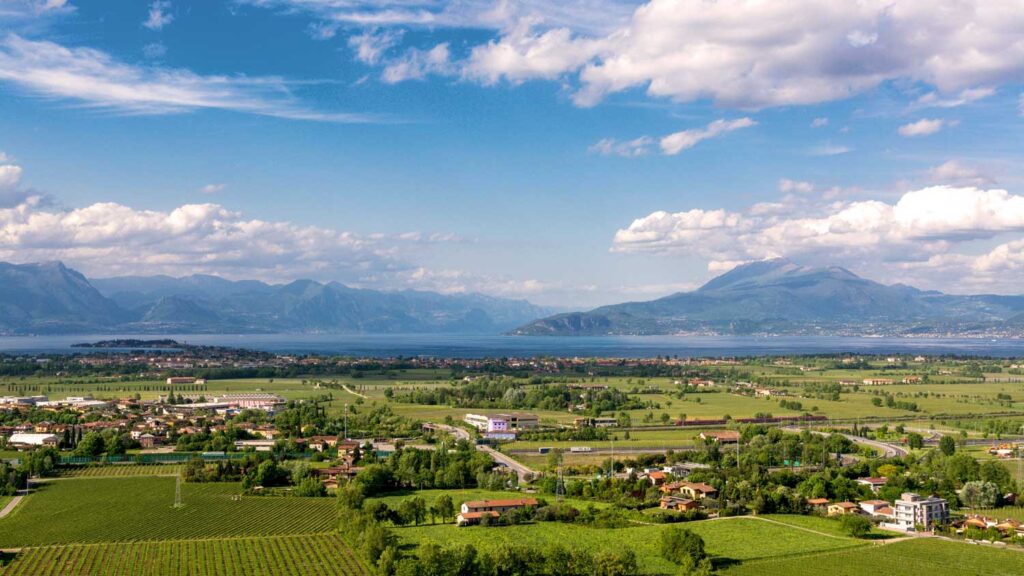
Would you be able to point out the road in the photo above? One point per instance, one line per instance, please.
(14, 502)
(888, 450)
(521, 470)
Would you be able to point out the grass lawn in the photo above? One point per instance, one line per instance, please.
(321, 554)
(729, 541)
(141, 508)
(916, 557)
(825, 525)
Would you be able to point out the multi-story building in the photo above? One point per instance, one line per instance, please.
(914, 510)
(501, 422)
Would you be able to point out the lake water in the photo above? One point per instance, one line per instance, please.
(478, 346)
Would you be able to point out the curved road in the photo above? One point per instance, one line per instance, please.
(521, 470)
(888, 450)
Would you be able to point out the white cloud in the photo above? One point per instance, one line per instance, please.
(955, 172)
(95, 79)
(628, 149)
(593, 16)
(786, 185)
(679, 141)
(154, 50)
(212, 188)
(762, 54)
(370, 46)
(829, 149)
(10, 174)
(109, 238)
(819, 123)
(923, 127)
(938, 224)
(859, 39)
(20, 9)
(416, 64)
(932, 99)
(158, 15)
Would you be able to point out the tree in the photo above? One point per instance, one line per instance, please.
(680, 545)
(947, 445)
(445, 507)
(310, 486)
(915, 441)
(978, 494)
(615, 564)
(856, 525)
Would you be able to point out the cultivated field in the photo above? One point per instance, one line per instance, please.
(121, 470)
(907, 558)
(321, 554)
(141, 508)
(729, 541)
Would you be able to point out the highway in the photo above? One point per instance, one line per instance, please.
(888, 450)
(520, 469)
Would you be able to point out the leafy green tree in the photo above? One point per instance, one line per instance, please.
(679, 545)
(310, 487)
(978, 494)
(855, 525)
(947, 445)
(445, 507)
(915, 441)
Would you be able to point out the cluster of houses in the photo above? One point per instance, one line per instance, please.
(151, 423)
(1007, 528)
(908, 513)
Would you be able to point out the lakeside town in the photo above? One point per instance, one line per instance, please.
(878, 451)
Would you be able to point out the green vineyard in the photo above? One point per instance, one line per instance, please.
(141, 508)
(122, 470)
(320, 554)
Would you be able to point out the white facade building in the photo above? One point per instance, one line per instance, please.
(913, 510)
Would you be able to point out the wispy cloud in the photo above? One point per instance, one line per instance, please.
(628, 149)
(679, 141)
(829, 149)
(212, 188)
(95, 79)
(922, 127)
(159, 15)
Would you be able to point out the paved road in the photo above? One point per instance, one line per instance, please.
(521, 470)
(14, 502)
(888, 450)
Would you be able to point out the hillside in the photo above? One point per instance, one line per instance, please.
(780, 297)
(51, 298)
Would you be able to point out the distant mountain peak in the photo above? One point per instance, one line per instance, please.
(770, 271)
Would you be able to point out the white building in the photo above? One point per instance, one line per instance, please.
(913, 510)
(22, 440)
(501, 422)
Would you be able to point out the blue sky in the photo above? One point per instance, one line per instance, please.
(573, 153)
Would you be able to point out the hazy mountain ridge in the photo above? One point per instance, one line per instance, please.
(780, 297)
(50, 298)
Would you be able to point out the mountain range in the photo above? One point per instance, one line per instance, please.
(50, 298)
(780, 297)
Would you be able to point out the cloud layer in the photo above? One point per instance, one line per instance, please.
(94, 78)
(931, 232)
(736, 53)
(108, 238)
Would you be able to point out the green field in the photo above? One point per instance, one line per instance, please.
(914, 557)
(728, 541)
(121, 470)
(141, 508)
(321, 554)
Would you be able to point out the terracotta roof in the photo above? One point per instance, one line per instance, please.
(817, 501)
(872, 480)
(700, 486)
(845, 504)
(476, 515)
